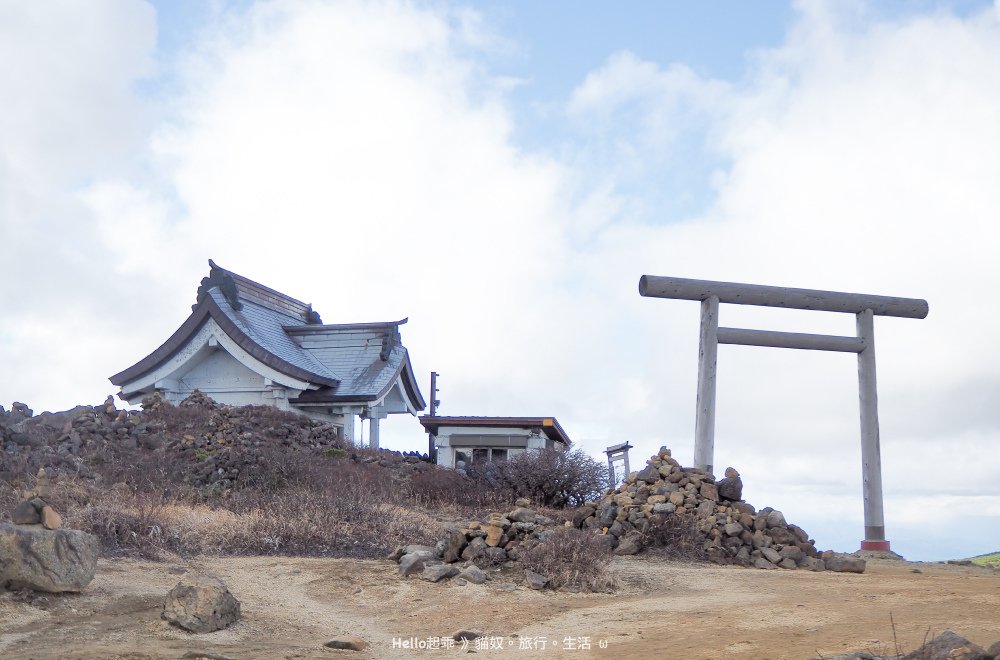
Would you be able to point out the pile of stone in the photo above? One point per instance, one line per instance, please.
(502, 537)
(37, 553)
(625, 520)
(501, 540)
(54, 440)
(234, 440)
(34, 508)
(214, 443)
(224, 443)
(732, 531)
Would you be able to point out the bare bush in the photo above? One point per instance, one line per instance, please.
(125, 525)
(676, 537)
(572, 558)
(448, 488)
(551, 477)
(9, 497)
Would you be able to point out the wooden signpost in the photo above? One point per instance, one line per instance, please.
(865, 307)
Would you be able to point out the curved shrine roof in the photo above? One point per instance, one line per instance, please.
(346, 362)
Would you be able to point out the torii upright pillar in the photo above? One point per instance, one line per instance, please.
(863, 306)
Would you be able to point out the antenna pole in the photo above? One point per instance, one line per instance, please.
(431, 448)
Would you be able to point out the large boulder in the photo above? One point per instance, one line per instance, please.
(844, 563)
(201, 604)
(36, 558)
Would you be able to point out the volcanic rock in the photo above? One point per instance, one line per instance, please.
(731, 488)
(843, 563)
(348, 644)
(949, 646)
(201, 604)
(36, 558)
(438, 572)
(535, 580)
(26, 513)
(473, 574)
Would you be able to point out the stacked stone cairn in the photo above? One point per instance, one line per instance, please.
(730, 530)
(733, 531)
(37, 553)
(463, 552)
(34, 508)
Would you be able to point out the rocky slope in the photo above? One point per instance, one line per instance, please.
(198, 442)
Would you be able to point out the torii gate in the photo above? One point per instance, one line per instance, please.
(863, 306)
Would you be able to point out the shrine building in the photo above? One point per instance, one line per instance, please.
(245, 343)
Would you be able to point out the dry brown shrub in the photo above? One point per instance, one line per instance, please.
(676, 537)
(549, 477)
(447, 488)
(353, 514)
(125, 525)
(9, 497)
(572, 558)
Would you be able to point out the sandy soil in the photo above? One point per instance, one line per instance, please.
(662, 610)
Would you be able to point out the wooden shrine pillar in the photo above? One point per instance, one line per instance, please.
(708, 349)
(871, 452)
(375, 415)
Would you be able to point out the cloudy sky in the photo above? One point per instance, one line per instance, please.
(502, 173)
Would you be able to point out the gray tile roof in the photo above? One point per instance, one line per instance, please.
(266, 327)
(348, 362)
(367, 358)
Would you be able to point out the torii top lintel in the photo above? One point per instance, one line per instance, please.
(653, 286)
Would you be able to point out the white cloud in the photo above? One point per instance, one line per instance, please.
(69, 116)
(860, 160)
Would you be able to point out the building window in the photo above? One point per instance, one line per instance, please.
(483, 455)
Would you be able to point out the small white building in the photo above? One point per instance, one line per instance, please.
(245, 343)
(491, 439)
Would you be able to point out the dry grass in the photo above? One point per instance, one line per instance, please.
(572, 558)
(295, 522)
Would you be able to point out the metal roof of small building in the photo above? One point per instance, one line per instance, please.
(548, 425)
(358, 362)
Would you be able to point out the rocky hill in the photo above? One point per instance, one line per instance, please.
(198, 442)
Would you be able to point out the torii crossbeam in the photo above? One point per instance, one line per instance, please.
(864, 306)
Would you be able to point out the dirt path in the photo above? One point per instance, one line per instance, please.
(663, 610)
